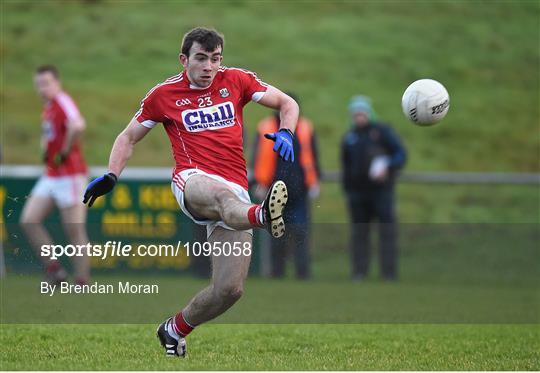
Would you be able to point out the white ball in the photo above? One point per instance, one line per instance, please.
(425, 102)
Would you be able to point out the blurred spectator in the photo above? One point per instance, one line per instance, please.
(371, 155)
(302, 180)
(64, 180)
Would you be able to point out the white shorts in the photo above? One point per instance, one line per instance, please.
(178, 183)
(66, 191)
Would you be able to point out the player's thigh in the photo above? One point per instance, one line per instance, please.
(231, 268)
(36, 209)
(201, 196)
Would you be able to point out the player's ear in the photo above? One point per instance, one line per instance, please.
(183, 59)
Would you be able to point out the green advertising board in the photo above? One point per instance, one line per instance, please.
(141, 212)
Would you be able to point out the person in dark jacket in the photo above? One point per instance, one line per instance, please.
(371, 156)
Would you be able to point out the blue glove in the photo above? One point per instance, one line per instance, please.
(98, 187)
(284, 143)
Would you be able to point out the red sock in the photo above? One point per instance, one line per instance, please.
(53, 266)
(81, 281)
(181, 326)
(254, 216)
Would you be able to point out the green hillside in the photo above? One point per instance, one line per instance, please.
(486, 53)
(111, 52)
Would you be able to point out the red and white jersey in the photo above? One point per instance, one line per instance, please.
(205, 125)
(56, 115)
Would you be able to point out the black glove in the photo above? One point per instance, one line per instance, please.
(98, 187)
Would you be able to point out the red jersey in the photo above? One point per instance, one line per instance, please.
(56, 115)
(205, 126)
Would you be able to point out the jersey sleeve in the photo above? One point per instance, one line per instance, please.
(69, 108)
(149, 112)
(253, 88)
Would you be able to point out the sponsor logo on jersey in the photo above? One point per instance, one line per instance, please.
(209, 118)
(224, 92)
(48, 130)
(183, 102)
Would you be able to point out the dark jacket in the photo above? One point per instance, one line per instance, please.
(360, 146)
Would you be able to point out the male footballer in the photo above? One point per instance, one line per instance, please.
(201, 111)
(64, 178)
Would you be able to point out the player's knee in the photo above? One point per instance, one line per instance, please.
(222, 196)
(229, 293)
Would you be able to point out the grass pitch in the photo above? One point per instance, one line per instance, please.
(275, 347)
(486, 55)
(453, 309)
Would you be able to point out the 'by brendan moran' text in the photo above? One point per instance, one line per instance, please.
(122, 287)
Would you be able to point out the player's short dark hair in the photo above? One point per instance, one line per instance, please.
(209, 39)
(48, 69)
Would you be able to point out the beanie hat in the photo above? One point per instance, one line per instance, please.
(361, 104)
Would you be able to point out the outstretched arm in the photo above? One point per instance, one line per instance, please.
(124, 144)
(288, 113)
(120, 153)
(287, 107)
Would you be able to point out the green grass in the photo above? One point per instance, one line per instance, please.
(449, 273)
(480, 281)
(111, 52)
(344, 302)
(436, 204)
(467, 300)
(275, 347)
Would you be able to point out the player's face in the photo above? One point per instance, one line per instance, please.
(360, 119)
(47, 85)
(201, 66)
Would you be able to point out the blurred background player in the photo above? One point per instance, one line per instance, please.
(64, 178)
(302, 180)
(371, 154)
(201, 111)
